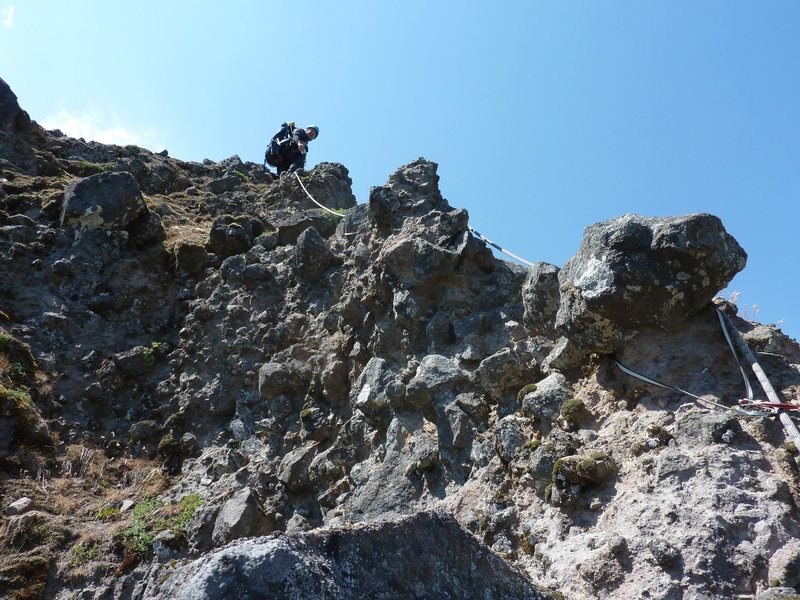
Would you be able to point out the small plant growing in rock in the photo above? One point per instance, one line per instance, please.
(656, 436)
(790, 448)
(528, 389)
(533, 444)
(591, 367)
(110, 513)
(83, 552)
(17, 370)
(155, 351)
(90, 168)
(572, 414)
(335, 214)
(137, 539)
(189, 505)
(151, 517)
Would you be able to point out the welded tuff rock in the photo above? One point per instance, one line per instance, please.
(634, 272)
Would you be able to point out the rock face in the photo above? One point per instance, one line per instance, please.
(12, 117)
(422, 556)
(637, 272)
(541, 298)
(235, 363)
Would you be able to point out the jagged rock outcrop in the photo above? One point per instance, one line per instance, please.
(12, 117)
(638, 272)
(236, 361)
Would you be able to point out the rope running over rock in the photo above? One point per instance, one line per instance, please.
(501, 249)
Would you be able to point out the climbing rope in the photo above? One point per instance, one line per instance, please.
(325, 208)
(300, 181)
(700, 399)
(501, 249)
(749, 406)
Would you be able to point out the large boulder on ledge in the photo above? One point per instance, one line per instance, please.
(634, 272)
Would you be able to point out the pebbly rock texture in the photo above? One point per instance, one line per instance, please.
(428, 555)
(638, 272)
(235, 362)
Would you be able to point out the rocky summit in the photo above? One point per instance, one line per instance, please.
(212, 388)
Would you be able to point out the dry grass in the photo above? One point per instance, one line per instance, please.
(196, 233)
(67, 525)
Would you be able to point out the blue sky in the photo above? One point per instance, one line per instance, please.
(544, 117)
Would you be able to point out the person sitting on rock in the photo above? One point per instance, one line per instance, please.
(288, 148)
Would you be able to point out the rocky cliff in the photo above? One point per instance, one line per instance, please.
(209, 387)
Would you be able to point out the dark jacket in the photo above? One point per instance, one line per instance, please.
(294, 152)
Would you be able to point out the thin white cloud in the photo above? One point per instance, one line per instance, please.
(8, 16)
(92, 124)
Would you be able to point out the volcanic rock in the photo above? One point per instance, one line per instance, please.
(637, 272)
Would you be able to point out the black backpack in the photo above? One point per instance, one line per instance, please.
(273, 154)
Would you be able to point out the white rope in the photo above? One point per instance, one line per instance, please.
(501, 249)
(300, 181)
(325, 208)
(704, 401)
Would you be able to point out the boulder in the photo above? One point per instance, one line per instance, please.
(143, 430)
(370, 391)
(329, 184)
(21, 423)
(503, 373)
(293, 470)
(103, 201)
(290, 377)
(701, 428)
(455, 430)
(290, 228)
(546, 400)
(312, 256)
(638, 272)
(415, 261)
(20, 506)
(223, 184)
(565, 357)
(240, 516)
(233, 235)
(584, 469)
(147, 229)
(137, 361)
(510, 436)
(190, 257)
(426, 555)
(435, 374)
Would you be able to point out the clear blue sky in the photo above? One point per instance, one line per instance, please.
(544, 117)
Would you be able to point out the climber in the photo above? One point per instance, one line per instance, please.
(288, 148)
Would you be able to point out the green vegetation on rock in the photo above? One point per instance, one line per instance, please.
(84, 552)
(528, 389)
(151, 517)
